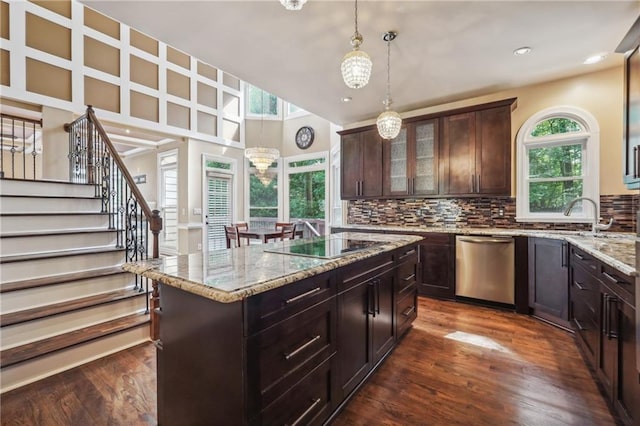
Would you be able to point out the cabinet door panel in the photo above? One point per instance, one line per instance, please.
(437, 266)
(628, 386)
(548, 280)
(493, 152)
(371, 185)
(351, 165)
(458, 154)
(354, 352)
(383, 335)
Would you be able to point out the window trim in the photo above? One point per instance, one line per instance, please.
(248, 115)
(290, 115)
(233, 175)
(589, 137)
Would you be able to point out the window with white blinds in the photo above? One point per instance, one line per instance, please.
(219, 209)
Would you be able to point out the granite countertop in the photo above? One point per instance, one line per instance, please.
(616, 249)
(229, 275)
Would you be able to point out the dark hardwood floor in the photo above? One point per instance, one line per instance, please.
(460, 364)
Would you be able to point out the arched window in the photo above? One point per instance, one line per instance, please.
(558, 160)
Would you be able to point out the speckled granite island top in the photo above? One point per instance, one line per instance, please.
(616, 249)
(230, 275)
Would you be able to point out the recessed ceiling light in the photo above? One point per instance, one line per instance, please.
(594, 59)
(346, 99)
(522, 51)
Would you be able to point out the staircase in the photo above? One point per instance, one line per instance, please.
(64, 299)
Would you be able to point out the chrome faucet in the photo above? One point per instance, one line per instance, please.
(595, 226)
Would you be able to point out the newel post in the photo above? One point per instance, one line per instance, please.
(156, 227)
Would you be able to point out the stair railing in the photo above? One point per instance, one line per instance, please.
(94, 160)
(19, 137)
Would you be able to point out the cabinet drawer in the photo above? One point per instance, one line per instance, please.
(407, 276)
(588, 262)
(585, 323)
(282, 354)
(406, 312)
(308, 402)
(585, 289)
(268, 308)
(407, 254)
(352, 275)
(623, 285)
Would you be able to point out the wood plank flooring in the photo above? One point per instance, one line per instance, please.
(460, 364)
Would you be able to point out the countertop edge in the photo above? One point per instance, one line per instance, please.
(222, 296)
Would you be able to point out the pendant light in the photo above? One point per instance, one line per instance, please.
(356, 65)
(262, 157)
(293, 4)
(389, 121)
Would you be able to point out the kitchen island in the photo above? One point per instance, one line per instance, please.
(281, 333)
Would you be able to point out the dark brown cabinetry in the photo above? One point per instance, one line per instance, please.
(437, 266)
(603, 315)
(631, 124)
(548, 280)
(411, 160)
(365, 314)
(291, 355)
(361, 164)
(476, 153)
(462, 152)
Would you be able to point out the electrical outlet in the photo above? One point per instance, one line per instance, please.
(199, 246)
(197, 211)
(501, 212)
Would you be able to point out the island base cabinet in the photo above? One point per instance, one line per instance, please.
(309, 402)
(192, 331)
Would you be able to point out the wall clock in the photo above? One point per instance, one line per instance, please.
(304, 137)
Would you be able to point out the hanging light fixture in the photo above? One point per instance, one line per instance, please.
(356, 65)
(293, 4)
(266, 177)
(262, 157)
(389, 121)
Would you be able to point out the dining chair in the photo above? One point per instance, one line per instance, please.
(279, 225)
(242, 226)
(288, 232)
(231, 234)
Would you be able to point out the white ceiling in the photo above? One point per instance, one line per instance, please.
(445, 50)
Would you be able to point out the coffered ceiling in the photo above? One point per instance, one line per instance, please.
(445, 50)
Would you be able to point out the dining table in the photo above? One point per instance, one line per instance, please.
(264, 234)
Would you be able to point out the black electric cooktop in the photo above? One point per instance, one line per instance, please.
(323, 248)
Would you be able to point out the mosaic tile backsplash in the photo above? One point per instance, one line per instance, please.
(495, 212)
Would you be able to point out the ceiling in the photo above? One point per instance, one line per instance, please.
(445, 50)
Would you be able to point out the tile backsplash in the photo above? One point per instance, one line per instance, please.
(495, 212)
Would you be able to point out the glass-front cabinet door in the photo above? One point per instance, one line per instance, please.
(410, 160)
(396, 176)
(425, 172)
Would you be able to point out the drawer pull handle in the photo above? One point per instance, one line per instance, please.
(577, 323)
(409, 278)
(314, 402)
(409, 253)
(578, 284)
(579, 256)
(610, 277)
(302, 296)
(158, 344)
(408, 311)
(301, 348)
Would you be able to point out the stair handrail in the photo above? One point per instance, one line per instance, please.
(87, 158)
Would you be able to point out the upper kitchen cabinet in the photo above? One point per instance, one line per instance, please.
(361, 165)
(475, 153)
(631, 113)
(411, 160)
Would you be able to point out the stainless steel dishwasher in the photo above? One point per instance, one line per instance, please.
(484, 268)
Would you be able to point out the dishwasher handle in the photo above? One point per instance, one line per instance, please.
(485, 240)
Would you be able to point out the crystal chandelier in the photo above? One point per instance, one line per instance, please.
(293, 4)
(265, 178)
(389, 121)
(356, 65)
(262, 157)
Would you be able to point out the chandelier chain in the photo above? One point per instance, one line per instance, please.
(356, 17)
(388, 73)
